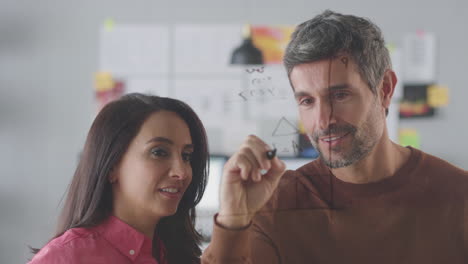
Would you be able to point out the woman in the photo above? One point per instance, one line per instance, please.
(132, 198)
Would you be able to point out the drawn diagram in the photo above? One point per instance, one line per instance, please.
(284, 128)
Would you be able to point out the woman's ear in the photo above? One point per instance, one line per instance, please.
(112, 176)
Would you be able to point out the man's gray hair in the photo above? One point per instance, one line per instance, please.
(332, 34)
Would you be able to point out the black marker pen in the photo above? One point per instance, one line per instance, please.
(271, 154)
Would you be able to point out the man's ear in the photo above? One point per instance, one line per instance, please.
(387, 88)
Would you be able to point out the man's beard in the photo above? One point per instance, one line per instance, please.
(363, 141)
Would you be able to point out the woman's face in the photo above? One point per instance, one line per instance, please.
(155, 170)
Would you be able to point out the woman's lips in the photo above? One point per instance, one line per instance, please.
(171, 192)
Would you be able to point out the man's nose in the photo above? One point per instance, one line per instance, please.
(325, 115)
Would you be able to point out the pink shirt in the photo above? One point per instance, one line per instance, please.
(113, 241)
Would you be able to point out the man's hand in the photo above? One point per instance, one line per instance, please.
(244, 188)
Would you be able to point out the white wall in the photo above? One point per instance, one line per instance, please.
(48, 53)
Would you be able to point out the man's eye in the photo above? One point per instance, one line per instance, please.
(340, 96)
(305, 101)
(158, 152)
(187, 156)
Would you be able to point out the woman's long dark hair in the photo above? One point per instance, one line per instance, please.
(89, 198)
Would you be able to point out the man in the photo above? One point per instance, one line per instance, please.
(366, 199)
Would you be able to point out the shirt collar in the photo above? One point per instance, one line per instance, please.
(125, 238)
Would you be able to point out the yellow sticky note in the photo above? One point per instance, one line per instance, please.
(437, 96)
(410, 137)
(391, 47)
(103, 81)
(301, 128)
(109, 24)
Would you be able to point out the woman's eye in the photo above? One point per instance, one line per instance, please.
(158, 152)
(187, 156)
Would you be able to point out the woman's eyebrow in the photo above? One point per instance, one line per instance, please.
(189, 146)
(168, 141)
(160, 139)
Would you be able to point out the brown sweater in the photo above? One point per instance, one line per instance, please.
(419, 215)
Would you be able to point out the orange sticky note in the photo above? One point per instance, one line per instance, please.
(437, 96)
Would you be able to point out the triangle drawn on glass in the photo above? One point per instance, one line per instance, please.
(284, 128)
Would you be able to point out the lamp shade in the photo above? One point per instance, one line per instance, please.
(247, 53)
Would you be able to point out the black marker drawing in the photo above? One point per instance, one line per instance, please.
(344, 60)
(285, 128)
(259, 70)
(259, 81)
(257, 92)
(297, 148)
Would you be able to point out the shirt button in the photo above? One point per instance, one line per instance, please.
(132, 252)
